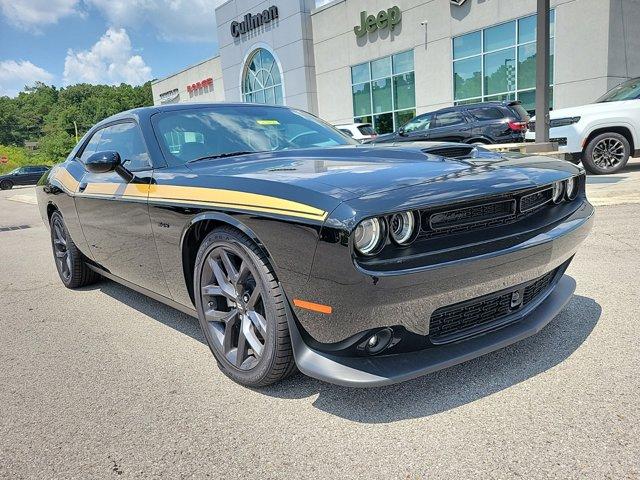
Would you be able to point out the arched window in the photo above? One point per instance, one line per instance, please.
(262, 80)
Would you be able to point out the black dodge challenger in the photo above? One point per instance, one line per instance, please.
(295, 247)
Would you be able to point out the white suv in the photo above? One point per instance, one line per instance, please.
(604, 134)
(358, 131)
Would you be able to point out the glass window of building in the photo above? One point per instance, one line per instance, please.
(499, 63)
(262, 80)
(383, 92)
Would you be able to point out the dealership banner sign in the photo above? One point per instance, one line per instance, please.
(384, 19)
(253, 21)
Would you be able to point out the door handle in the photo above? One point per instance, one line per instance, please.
(82, 186)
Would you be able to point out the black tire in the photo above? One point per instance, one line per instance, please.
(70, 262)
(246, 273)
(6, 185)
(606, 153)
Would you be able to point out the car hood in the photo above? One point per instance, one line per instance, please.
(582, 110)
(358, 171)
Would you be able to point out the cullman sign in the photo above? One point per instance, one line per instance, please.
(385, 18)
(252, 22)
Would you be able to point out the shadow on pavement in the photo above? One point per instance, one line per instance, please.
(428, 395)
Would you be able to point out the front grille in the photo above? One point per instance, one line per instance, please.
(475, 316)
(535, 200)
(474, 214)
(451, 152)
(490, 212)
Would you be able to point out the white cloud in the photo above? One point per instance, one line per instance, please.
(32, 14)
(14, 76)
(190, 20)
(109, 61)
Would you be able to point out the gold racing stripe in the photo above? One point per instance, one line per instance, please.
(66, 180)
(168, 194)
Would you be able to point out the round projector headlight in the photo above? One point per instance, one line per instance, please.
(558, 190)
(367, 236)
(571, 188)
(402, 227)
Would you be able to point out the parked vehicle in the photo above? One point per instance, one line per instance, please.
(482, 123)
(358, 131)
(602, 135)
(22, 176)
(295, 246)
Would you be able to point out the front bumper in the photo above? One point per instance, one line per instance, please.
(386, 370)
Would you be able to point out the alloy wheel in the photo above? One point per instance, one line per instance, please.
(608, 153)
(233, 307)
(63, 258)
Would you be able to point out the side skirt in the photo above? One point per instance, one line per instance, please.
(160, 298)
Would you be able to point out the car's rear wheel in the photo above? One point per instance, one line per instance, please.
(241, 308)
(6, 185)
(606, 153)
(70, 263)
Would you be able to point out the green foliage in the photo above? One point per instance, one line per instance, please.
(19, 156)
(49, 116)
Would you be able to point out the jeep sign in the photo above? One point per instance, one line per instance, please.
(385, 18)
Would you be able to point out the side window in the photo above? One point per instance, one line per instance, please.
(346, 131)
(126, 139)
(448, 119)
(91, 147)
(486, 113)
(423, 122)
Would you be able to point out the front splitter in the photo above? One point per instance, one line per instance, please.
(386, 370)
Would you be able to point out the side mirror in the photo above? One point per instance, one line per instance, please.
(401, 132)
(105, 162)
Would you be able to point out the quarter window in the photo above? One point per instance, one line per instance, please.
(383, 92)
(486, 113)
(499, 63)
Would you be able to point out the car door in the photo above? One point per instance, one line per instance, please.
(21, 177)
(114, 213)
(32, 175)
(449, 126)
(416, 130)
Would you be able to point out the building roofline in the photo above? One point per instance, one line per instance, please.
(189, 67)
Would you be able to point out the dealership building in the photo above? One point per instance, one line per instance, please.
(384, 61)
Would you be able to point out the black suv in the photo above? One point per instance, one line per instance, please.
(22, 176)
(488, 122)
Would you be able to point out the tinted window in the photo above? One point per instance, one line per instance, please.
(448, 119)
(629, 90)
(486, 113)
(418, 124)
(366, 130)
(521, 113)
(212, 131)
(126, 139)
(91, 147)
(348, 132)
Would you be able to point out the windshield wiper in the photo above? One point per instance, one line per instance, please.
(222, 155)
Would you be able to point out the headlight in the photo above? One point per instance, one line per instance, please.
(558, 190)
(368, 236)
(402, 227)
(563, 122)
(571, 188)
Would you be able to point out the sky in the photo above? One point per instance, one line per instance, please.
(63, 42)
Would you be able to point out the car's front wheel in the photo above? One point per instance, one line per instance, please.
(6, 185)
(70, 263)
(241, 308)
(606, 153)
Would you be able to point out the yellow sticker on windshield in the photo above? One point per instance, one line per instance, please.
(268, 122)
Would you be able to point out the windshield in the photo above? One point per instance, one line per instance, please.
(223, 130)
(629, 90)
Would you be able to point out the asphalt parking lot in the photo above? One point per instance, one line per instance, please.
(105, 383)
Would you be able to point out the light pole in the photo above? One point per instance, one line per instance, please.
(542, 73)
